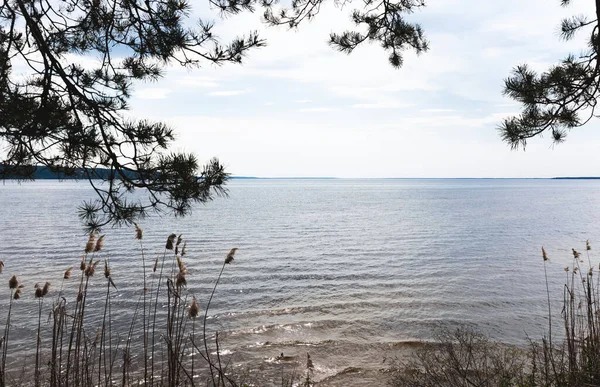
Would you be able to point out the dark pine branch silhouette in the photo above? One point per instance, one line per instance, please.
(69, 117)
(561, 98)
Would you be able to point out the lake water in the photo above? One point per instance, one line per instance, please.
(348, 270)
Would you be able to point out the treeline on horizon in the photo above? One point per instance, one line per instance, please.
(44, 172)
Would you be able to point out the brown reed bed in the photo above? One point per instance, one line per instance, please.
(74, 349)
(465, 357)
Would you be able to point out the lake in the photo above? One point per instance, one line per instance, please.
(349, 270)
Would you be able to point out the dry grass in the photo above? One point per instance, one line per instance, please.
(73, 349)
(464, 357)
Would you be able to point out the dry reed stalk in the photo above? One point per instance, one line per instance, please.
(15, 291)
(40, 292)
(145, 317)
(228, 260)
(156, 296)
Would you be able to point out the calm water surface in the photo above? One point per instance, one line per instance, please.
(348, 270)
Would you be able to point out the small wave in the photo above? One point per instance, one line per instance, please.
(223, 352)
(295, 343)
(284, 327)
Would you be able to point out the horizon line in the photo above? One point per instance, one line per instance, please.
(411, 178)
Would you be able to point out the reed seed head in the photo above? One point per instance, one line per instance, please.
(544, 255)
(181, 265)
(138, 232)
(576, 254)
(13, 282)
(229, 257)
(170, 240)
(90, 269)
(588, 247)
(68, 273)
(38, 291)
(106, 269)
(180, 280)
(46, 288)
(1, 266)
(79, 296)
(82, 264)
(91, 243)
(309, 363)
(591, 271)
(179, 239)
(194, 309)
(567, 269)
(183, 249)
(17, 294)
(99, 244)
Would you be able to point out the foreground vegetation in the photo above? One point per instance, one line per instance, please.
(165, 343)
(465, 357)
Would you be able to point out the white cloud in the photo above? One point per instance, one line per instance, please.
(152, 93)
(382, 105)
(317, 109)
(437, 110)
(197, 81)
(226, 93)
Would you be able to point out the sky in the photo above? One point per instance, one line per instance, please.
(298, 108)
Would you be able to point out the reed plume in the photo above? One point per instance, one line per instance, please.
(18, 291)
(194, 309)
(170, 240)
(309, 362)
(99, 244)
(544, 254)
(181, 265)
(1, 266)
(180, 280)
(67, 274)
(179, 239)
(229, 257)
(13, 282)
(183, 248)
(91, 243)
(38, 291)
(138, 232)
(90, 269)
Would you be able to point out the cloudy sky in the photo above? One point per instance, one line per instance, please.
(299, 108)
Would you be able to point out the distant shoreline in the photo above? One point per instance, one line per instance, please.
(577, 178)
(44, 173)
